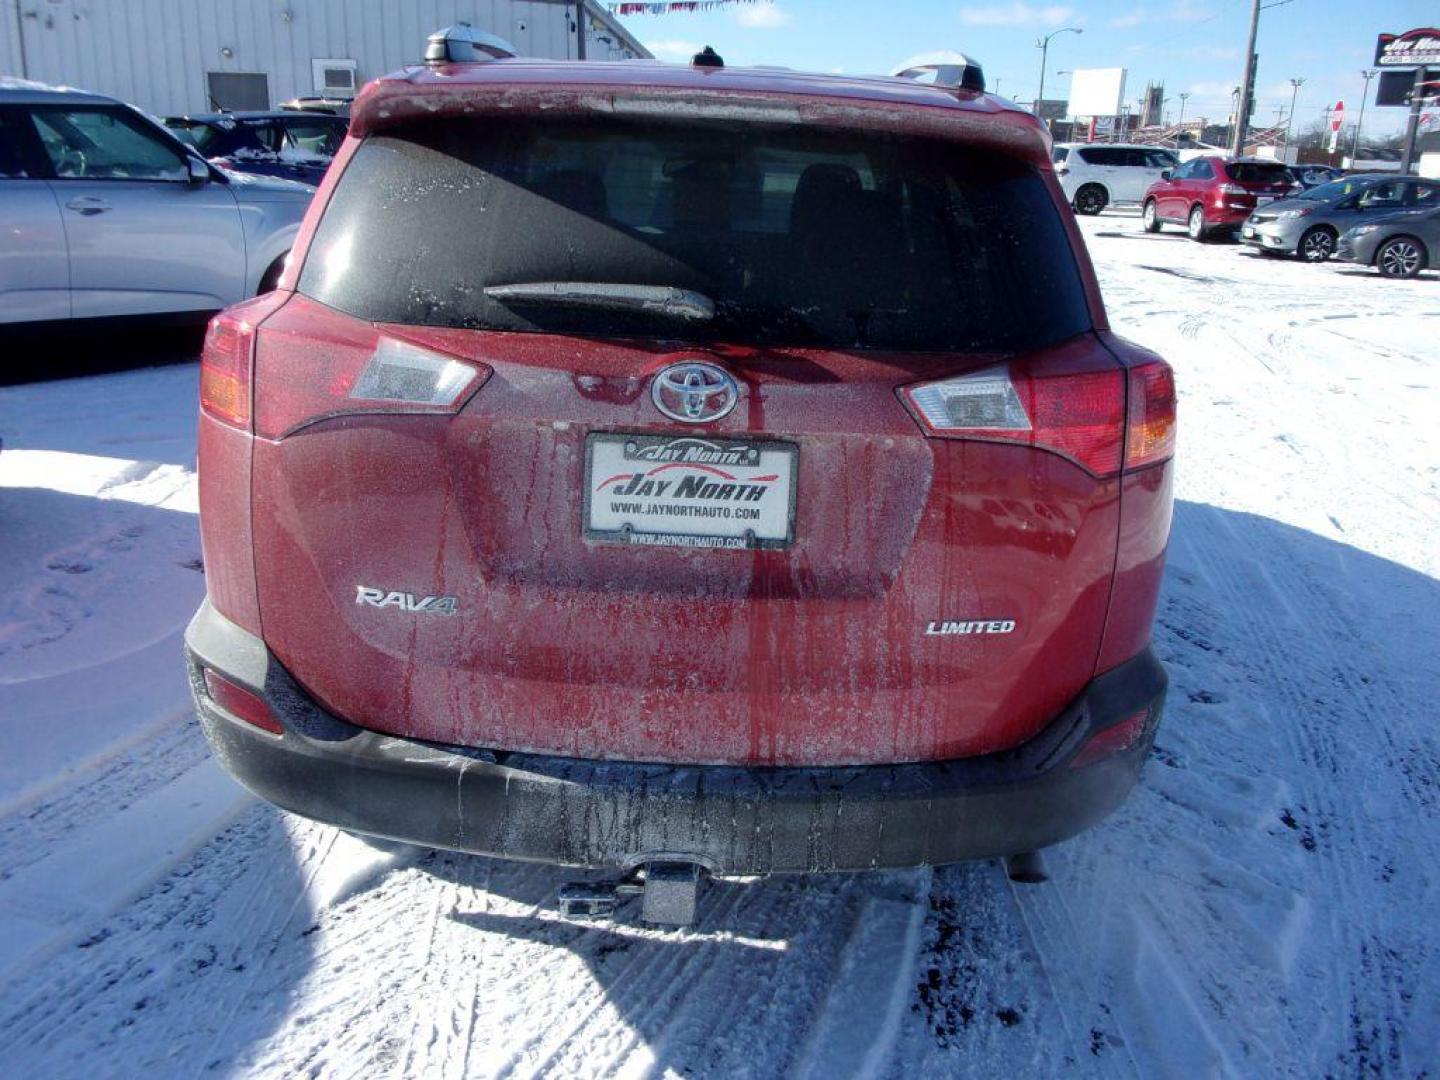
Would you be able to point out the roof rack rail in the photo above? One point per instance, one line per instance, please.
(944, 68)
(463, 44)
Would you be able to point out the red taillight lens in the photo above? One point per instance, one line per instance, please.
(226, 360)
(1112, 740)
(1078, 414)
(1083, 415)
(1150, 425)
(313, 363)
(241, 703)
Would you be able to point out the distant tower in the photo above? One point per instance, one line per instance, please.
(1153, 111)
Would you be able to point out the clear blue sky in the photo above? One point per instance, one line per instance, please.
(1189, 45)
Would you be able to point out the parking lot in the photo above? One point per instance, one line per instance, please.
(1264, 904)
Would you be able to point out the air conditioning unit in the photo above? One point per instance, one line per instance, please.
(335, 78)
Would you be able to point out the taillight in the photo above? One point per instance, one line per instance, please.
(241, 703)
(313, 364)
(1150, 419)
(1083, 416)
(401, 373)
(225, 362)
(1078, 414)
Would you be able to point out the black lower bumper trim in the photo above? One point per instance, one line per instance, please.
(730, 820)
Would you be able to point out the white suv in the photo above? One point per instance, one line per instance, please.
(1096, 175)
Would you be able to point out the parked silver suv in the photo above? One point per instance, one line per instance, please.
(105, 213)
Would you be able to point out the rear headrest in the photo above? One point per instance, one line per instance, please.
(820, 191)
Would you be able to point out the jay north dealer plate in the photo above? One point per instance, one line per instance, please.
(685, 491)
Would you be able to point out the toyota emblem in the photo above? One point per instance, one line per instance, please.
(694, 392)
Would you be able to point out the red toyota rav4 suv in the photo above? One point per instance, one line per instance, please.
(644, 466)
(1213, 195)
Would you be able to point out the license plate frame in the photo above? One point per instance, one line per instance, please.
(690, 514)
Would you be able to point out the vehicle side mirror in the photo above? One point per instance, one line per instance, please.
(198, 172)
(1165, 174)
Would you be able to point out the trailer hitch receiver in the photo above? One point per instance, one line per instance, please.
(669, 893)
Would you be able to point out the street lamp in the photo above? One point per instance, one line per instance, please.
(1367, 75)
(1184, 97)
(1295, 85)
(1043, 44)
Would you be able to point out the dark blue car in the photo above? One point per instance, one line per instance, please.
(296, 146)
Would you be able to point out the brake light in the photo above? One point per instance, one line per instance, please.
(1150, 418)
(1084, 416)
(225, 362)
(313, 364)
(241, 703)
(1231, 189)
(1080, 415)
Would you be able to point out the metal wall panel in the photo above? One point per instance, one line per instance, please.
(156, 53)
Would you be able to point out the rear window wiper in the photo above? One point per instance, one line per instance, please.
(660, 300)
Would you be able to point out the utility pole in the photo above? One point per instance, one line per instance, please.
(1043, 44)
(1367, 74)
(579, 29)
(1412, 123)
(1247, 88)
(1295, 85)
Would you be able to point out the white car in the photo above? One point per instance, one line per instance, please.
(1096, 175)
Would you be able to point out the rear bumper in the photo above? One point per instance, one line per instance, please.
(1225, 217)
(735, 821)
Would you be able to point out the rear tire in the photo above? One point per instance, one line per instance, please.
(1195, 227)
(1317, 245)
(1150, 217)
(1090, 200)
(1401, 257)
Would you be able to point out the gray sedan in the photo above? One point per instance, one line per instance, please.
(104, 213)
(1310, 224)
(1398, 245)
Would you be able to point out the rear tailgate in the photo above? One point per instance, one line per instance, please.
(429, 570)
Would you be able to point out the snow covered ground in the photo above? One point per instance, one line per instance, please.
(1267, 903)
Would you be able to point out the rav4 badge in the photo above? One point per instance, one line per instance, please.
(423, 605)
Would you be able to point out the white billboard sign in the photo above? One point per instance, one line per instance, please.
(1097, 91)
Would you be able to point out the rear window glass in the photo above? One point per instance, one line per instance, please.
(1257, 172)
(800, 238)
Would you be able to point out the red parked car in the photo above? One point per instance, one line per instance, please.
(1213, 195)
(684, 470)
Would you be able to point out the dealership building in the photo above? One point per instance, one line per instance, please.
(189, 56)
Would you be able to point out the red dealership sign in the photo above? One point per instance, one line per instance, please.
(1410, 49)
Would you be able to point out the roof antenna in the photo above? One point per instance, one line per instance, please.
(707, 58)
